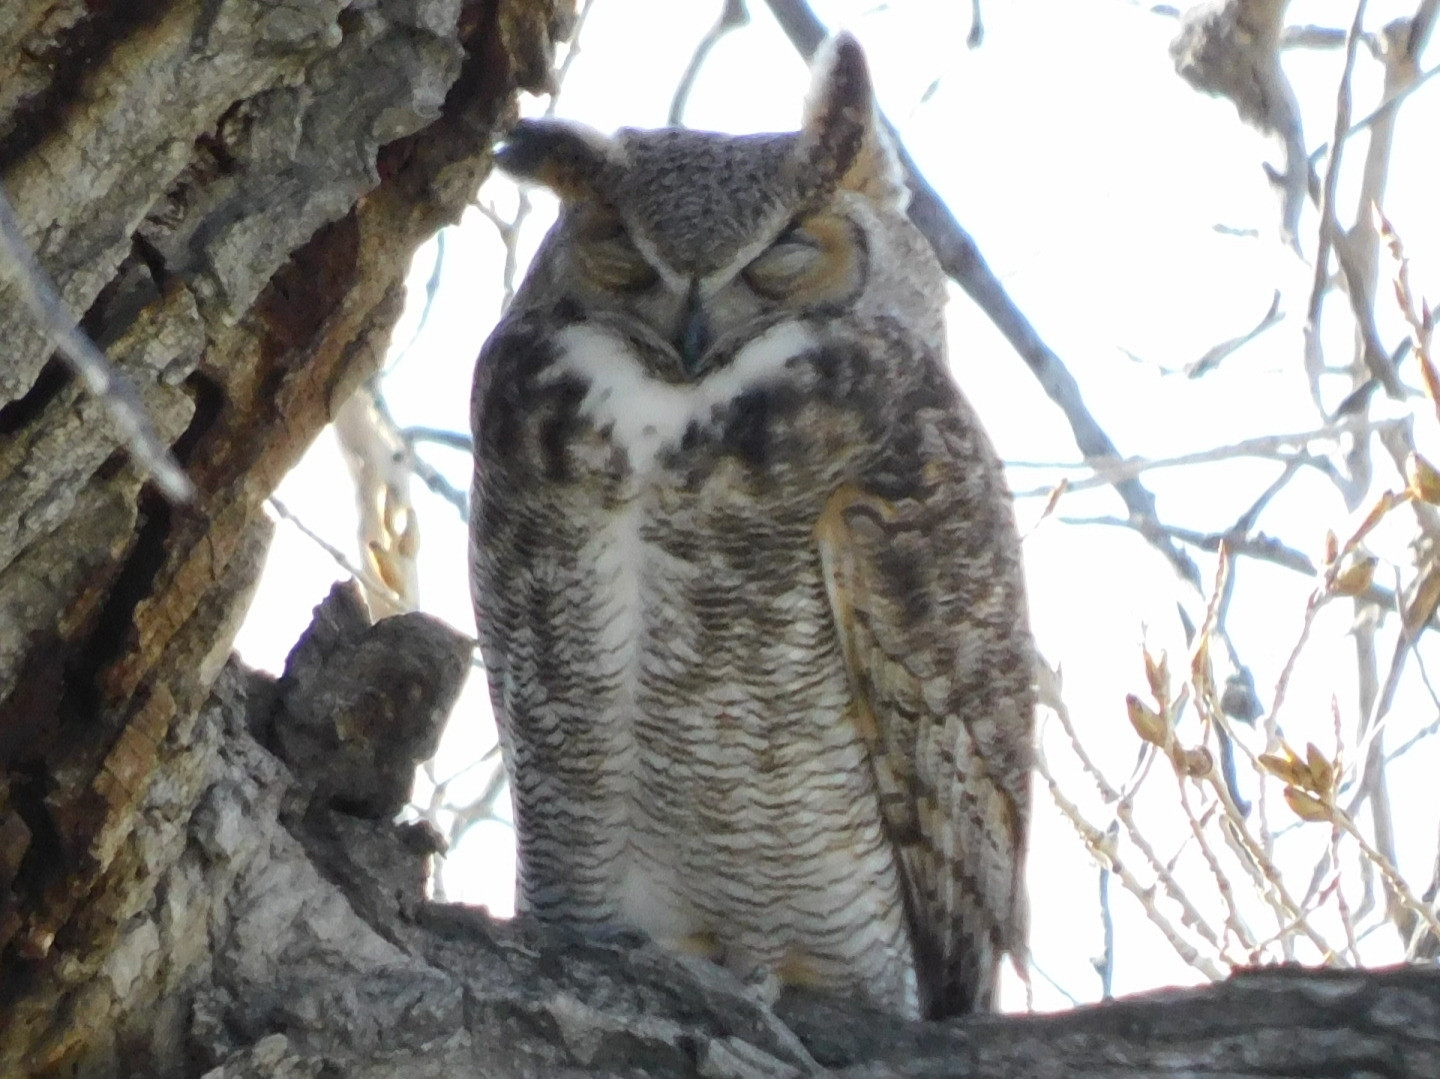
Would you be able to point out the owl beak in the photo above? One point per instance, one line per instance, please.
(692, 340)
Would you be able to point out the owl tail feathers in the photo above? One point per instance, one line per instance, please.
(966, 979)
(844, 142)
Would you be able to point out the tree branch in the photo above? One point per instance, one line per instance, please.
(963, 262)
(86, 362)
(732, 16)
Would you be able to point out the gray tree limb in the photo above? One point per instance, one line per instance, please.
(287, 934)
(961, 259)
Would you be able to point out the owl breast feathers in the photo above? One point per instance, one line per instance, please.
(745, 568)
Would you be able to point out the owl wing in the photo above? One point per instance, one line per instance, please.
(924, 584)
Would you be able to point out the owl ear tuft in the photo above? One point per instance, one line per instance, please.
(571, 160)
(843, 142)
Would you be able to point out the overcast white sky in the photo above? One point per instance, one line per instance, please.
(1093, 180)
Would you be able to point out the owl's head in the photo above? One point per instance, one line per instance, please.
(694, 241)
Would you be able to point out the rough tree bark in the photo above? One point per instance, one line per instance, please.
(199, 873)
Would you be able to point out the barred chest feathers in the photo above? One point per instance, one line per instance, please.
(744, 566)
(727, 689)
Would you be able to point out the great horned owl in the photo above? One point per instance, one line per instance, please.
(745, 568)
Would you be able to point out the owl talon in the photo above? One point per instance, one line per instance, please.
(765, 984)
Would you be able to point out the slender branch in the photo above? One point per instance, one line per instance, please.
(1312, 37)
(976, 36)
(1262, 547)
(1071, 997)
(86, 362)
(365, 577)
(572, 50)
(1124, 815)
(1213, 356)
(1380, 112)
(1393, 879)
(1284, 448)
(432, 290)
(1105, 965)
(963, 262)
(1428, 731)
(1099, 846)
(451, 440)
(1375, 357)
(732, 16)
(424, 471)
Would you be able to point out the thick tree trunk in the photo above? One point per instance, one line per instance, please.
(198, 870)
(231, 191)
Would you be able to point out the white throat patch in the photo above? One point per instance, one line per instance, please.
(647, 415)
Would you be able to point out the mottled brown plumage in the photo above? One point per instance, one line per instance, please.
(745, 570)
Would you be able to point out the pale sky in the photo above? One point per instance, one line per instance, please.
(1093, 180)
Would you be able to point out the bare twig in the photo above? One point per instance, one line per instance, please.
(427, 473)
(1312, 37)
(1287, 447)
(572, 51)
(451, 440)
(1381, 111)
(1095, 840)
(1393, 880)
(1257, 861)
(1232, 50)
(1050, 981)
(1213, 356)
(365, 577)
(432, 289)
(1260, 546)
(1427, 731)
(1105, 964)
(86, 362)
(1052, 697)
(732, 16)
(963, 262)
(1376, 358)
(509, 230)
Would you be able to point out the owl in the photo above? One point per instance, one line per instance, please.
(745, 568)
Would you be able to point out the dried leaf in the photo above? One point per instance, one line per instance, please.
(1383, 505)
(1322, 774)
(1196, 762)
(1424, 481)
(1054, 500)
(1285, 768)
(1332, 546)
(1200, 663)
(1423, 601)
(1306, 807)
(1431, 380)
(383, 565)
(1148, 723)
(1157, 673)
(1355, 578)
